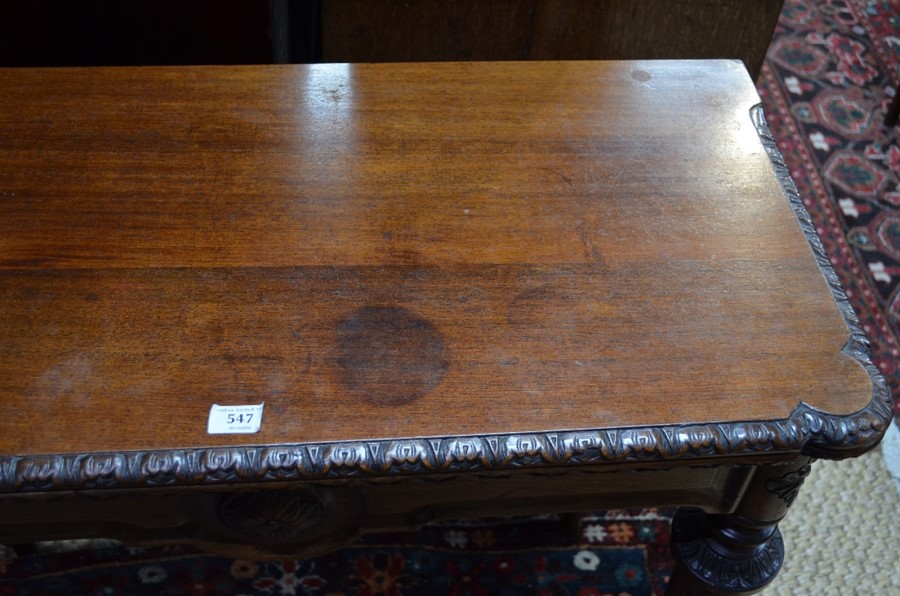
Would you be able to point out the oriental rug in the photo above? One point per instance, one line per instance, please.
(830, 74)
(616, 554)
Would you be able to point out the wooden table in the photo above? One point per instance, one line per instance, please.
(458, 289)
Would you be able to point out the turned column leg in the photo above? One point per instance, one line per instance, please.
(741, 552)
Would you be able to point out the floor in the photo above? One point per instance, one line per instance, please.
(841, 535)
(890, 448)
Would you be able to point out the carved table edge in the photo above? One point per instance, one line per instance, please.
(831, 436)
(806, 431)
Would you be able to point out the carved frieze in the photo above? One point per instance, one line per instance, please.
(272, 515)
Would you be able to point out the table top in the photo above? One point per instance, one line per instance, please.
(416, 257)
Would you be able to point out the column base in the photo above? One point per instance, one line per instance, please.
(723, 554)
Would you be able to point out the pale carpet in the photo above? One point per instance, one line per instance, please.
(842, 535)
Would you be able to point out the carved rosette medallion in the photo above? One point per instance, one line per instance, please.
(272, 515)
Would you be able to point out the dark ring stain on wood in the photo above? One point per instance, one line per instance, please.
(641, 76)
(389, 355)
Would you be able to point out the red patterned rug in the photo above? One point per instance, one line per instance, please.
(831, 72)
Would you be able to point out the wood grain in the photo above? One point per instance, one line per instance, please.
(526, 247)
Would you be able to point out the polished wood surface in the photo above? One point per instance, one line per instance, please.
(398, 250)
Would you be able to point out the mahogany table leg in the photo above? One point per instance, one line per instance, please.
(741, 552)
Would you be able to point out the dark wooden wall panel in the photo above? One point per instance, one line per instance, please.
(425, 30)
(639, 29)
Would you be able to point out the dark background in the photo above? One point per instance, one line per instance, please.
(135, 32)
(174, 32)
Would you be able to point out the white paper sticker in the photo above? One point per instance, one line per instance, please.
(234, 419)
